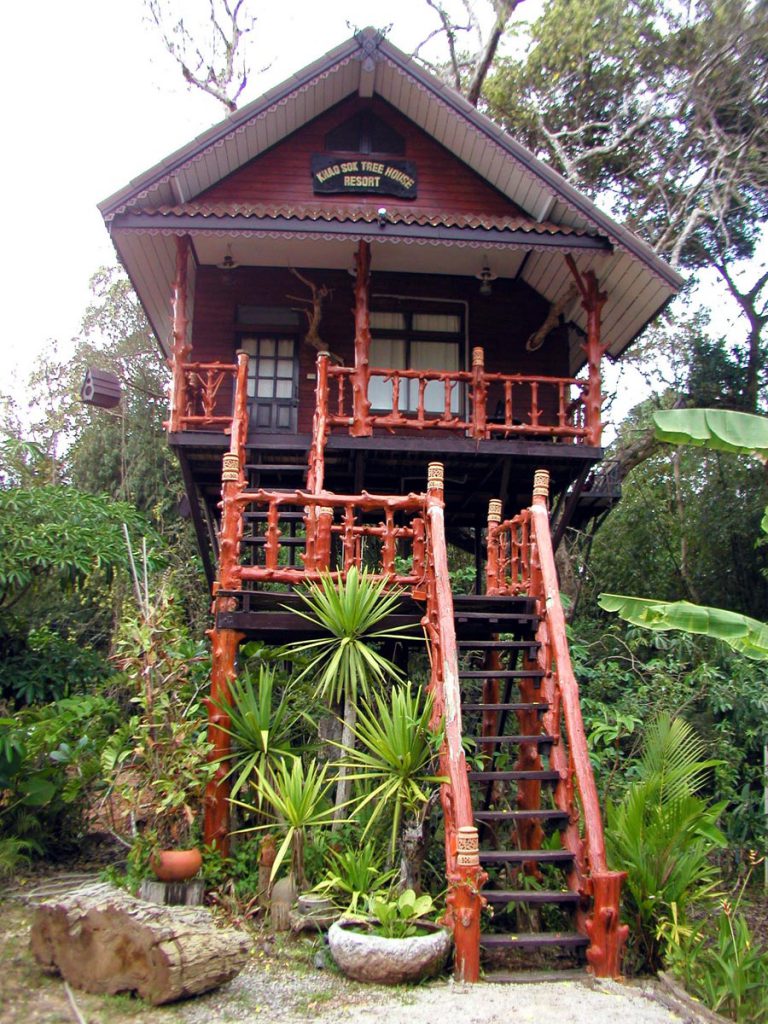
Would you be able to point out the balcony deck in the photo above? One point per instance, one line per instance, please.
(476, 470)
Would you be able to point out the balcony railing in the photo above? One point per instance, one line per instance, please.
(202, 396)
(497, 405)
(475, 403)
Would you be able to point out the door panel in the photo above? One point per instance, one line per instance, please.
(272, 382)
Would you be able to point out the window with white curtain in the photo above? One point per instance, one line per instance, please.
(414, 341)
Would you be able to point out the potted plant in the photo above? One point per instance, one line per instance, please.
(396, 944)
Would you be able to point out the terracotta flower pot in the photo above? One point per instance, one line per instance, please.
(176, 865)
(364, 956)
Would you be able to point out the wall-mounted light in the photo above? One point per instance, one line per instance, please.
(383, 216)
(485, 277)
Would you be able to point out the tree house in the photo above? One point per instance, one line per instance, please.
(355, 277)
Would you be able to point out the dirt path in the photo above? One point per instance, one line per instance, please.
(283, 984)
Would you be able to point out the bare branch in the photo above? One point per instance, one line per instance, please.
(219, 69)
(504, 10)
(450, 30)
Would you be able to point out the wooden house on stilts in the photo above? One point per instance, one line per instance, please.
(385, 320)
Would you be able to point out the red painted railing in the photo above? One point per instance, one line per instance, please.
(500, 405)
(384, 535)
(464, 874)
(203, 402)
(520, 548)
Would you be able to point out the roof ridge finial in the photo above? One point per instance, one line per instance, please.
(369, 39)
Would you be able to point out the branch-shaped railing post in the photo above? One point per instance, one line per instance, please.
(320, 427)
(492, 581)
(607, 935)
(224, 642)
(479, 394)
(592, 300)
(465, 876)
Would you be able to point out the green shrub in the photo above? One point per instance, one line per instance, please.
(662, 834)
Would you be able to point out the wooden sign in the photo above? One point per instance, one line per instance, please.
(364, 174)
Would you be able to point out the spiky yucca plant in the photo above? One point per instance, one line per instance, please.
(394, 758)
(346, 661)
(299, 798)
(262, 728)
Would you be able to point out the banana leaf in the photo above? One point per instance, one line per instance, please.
(745, 635)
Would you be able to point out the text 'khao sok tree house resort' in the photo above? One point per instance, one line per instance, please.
(385, 321)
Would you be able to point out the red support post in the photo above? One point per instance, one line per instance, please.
(320, 428)
(592, 300)
(361, 406)
(180, 346)
(606, 933)
(492, 582)
(323, 524)
(224, 643)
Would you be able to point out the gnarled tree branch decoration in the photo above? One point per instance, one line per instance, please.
(312, 308)
(537, 339)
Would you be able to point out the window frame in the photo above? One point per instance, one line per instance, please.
(408, 335)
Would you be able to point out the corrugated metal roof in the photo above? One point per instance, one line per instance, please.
(354, 214)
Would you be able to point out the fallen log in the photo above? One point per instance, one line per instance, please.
(102, 940)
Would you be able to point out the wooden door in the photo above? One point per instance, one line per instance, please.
(272, 382)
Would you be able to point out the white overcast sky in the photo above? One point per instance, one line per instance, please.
(90, 99)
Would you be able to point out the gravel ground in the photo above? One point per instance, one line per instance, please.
(567, 1002)
(282, 984)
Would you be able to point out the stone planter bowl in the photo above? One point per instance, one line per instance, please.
(363, 956)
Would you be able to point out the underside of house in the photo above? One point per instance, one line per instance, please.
(385, 321)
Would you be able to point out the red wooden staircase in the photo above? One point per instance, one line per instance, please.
(500, 676)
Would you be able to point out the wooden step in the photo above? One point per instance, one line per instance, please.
(515, 776)
(522, 856)
(542, 739)
(502, 673)
(538, 815)
(537, 706)
(533, 940)
(490, 617)
(500, 645)
(531, 896)
(532, 977)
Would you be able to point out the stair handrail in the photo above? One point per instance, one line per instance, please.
(602, 925)
(224, 642)
(464, 874)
